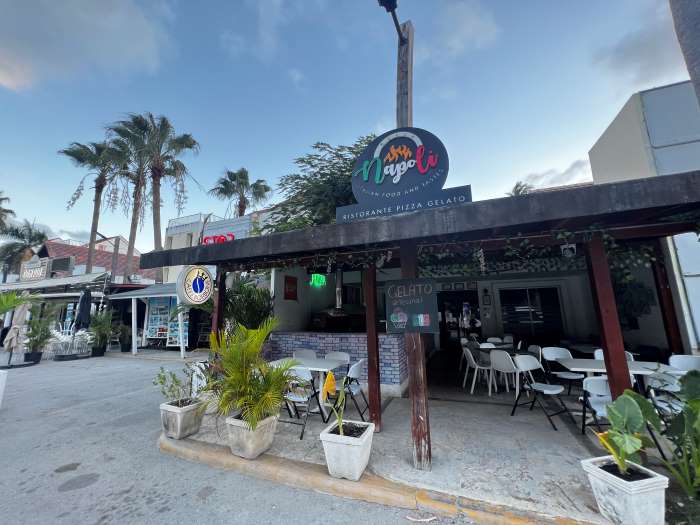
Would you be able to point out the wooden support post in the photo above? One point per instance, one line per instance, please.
(417, 376)
(217, 318)
(610, 330)
(404, 78)
(668, 312)
(369, 286)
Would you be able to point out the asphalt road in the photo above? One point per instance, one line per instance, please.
(78, 445)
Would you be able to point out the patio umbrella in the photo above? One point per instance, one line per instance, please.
(82, 316)
(14, 338)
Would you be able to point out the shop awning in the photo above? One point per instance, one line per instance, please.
(156, 290)
(58, 282)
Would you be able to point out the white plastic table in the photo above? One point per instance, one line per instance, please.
(638, 368)
(322, 366)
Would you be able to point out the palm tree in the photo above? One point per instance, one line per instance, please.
(19, 239)
(163, 149)
(235, 185)
(520, 188)
(99, 158)
(131, 155)
(4, 212)
(686, 19)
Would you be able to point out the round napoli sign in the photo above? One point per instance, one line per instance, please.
(194, 285)
(399, 164)
(401, 171)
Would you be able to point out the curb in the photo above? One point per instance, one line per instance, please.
(371, 488)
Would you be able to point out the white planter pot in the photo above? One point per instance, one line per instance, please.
(247, 443)
(347, 457)
(180, 422)
(623, 502)
(3, 382)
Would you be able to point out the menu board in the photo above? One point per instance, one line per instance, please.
(411, 306)
(173, 330)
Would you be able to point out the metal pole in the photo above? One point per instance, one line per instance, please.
(134, 326)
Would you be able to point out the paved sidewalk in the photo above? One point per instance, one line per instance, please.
(78, 442)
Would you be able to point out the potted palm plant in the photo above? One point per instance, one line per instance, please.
(38, 333)
(626, 492)
(181, 415)
(249, 392)
(346, 444)
(101, 330)
(125, 338)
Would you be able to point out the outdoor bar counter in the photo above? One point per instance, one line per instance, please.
(393, 371)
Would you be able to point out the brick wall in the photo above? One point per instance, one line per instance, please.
(392, 352)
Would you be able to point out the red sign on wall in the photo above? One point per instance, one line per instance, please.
(218, 239)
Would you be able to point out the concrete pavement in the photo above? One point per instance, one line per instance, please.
(78, 444)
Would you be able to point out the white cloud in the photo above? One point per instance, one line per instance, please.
(43, 39)
(297, 77)
(461, 26)
(647, 56)
(578, 171)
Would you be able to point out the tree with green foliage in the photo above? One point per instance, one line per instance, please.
(236, 188)
(5, 213)
(520, 188)
(20, 239)
(322, 183)
(100, 159)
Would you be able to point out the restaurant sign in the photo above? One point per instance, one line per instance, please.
(194, 285)
(411, 306)
(400, 171)
(34, 269)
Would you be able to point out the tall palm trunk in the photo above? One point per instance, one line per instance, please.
(156, 176)
(242, 205)
(135, 216)
(686, 19)
(100, 183)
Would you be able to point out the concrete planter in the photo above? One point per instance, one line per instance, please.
(247, 443)
(3, 382)
(347, 457)
(623, 502)
(180, 422)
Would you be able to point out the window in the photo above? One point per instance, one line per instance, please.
(532, 312)
(189, 239)
(168, 242)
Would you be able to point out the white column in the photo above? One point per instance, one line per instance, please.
(134, 326)
(180, 330)
(145, 324)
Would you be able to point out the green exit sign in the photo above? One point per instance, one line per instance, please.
(318, 280)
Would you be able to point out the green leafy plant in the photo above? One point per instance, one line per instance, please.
(624, 439)
(39, 328)
(246, 304)
(176, 391)
(246, 383)
(101, 328)
(11, 300)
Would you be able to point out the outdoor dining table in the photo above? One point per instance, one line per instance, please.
(636, 368)
(319, 365)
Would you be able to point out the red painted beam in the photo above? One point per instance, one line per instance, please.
(417, 375)
(369, 284)
(611, 332)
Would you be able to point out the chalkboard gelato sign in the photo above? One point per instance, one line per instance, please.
(411, 306)
(400, 171)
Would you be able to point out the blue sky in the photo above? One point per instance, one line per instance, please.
(516, 90)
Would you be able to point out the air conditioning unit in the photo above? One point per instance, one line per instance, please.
(63, 264)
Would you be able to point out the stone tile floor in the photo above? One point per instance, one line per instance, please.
(479, 451)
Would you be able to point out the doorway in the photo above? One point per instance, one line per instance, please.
(458, 315)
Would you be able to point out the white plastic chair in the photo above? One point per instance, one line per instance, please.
(304, 395)
(502, 362)
(353, 387)
(474, 337)
(685, 362)
(535, 350)
(596, 398)
(525, 365)
(494, 340)
(304, 354)
(342, 357)
(551, 354)
(508, 338)
(473, 364)
(598, 354)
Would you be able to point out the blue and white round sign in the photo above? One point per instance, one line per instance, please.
(194, 285)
